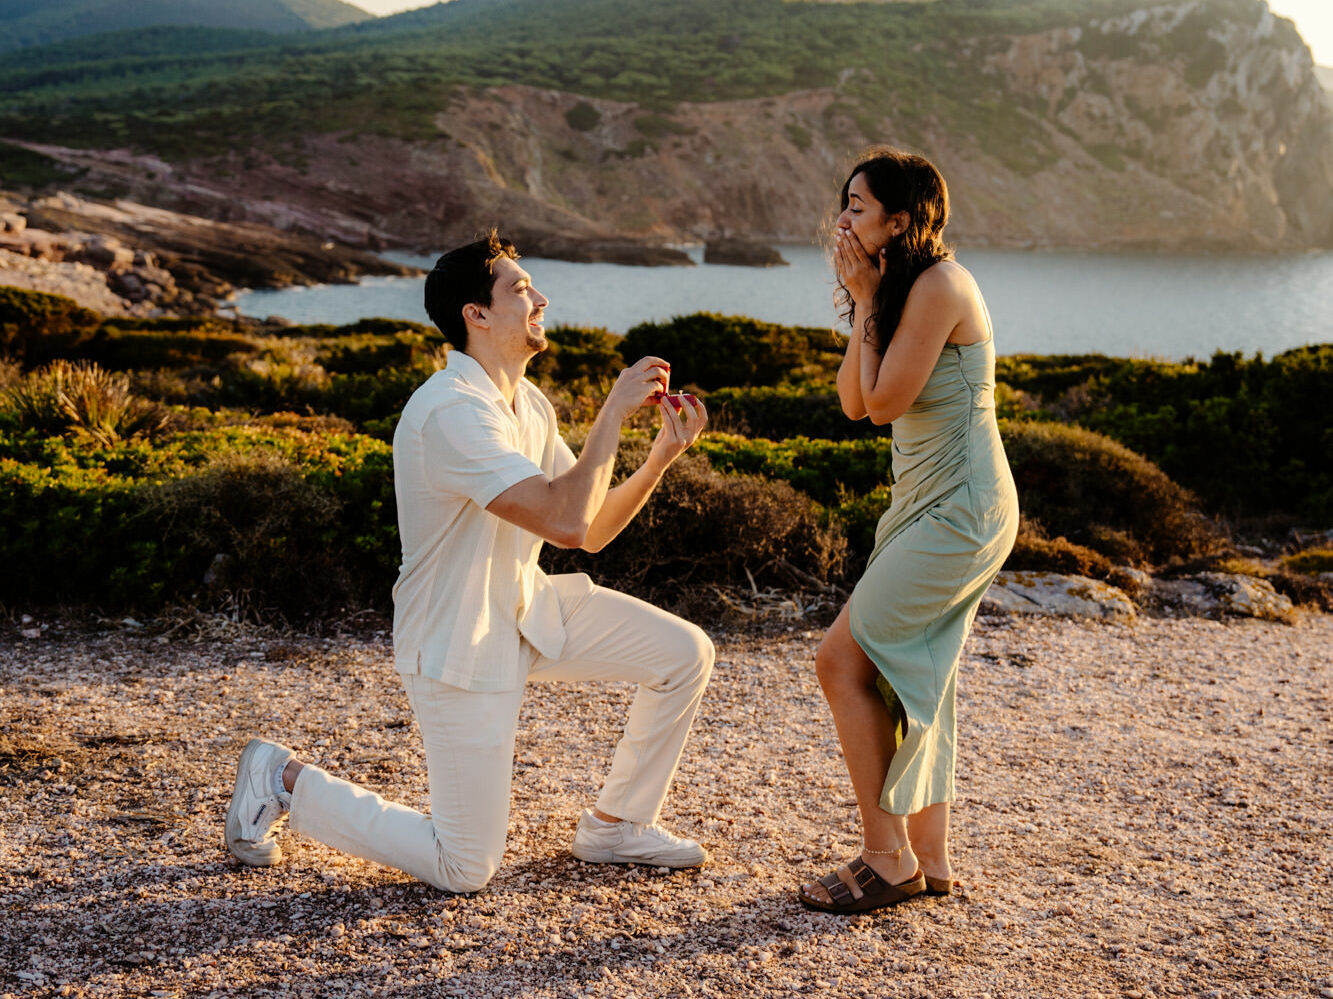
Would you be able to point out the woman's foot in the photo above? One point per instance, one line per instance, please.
(857, 887)
(892, 866)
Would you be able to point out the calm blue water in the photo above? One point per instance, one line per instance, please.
(1044, 303)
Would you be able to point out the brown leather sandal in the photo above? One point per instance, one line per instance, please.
(876, 892)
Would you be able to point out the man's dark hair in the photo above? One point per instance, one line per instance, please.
(461, 277)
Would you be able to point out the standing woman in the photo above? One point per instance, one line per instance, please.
(921, 357)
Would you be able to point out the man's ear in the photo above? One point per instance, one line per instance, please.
(473, 314)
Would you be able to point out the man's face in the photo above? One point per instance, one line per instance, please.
(516, 310)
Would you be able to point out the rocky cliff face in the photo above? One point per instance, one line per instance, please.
(1226, 110)
(1191, 125)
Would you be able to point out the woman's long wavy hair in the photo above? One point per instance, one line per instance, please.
(901, 182)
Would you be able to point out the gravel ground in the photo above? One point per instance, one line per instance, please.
(1143, 811)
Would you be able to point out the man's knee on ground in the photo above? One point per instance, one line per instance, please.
(464, 873)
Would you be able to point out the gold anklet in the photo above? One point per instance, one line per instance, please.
(884, 853)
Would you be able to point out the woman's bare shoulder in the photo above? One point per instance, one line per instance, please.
(945, 279)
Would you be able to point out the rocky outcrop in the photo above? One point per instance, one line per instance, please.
(743, 253)
(1206, 594)
(1220, 594)
(1219, 100)
(124, 258)
(1053, 594)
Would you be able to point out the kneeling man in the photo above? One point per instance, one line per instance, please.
(482, 478)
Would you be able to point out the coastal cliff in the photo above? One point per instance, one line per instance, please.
(1199, 125)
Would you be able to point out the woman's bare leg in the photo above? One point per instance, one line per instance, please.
(865, 729)
(929, 831)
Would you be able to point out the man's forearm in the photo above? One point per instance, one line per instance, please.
(621, 504)
(578, 496)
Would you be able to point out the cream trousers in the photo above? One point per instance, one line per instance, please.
(469, 743)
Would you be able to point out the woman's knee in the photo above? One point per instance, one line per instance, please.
(839, 666)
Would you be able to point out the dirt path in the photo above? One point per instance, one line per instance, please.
(1144, 810)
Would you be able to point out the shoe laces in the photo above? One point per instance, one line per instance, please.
(653, 829)
(269, 813)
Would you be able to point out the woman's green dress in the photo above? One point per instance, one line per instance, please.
(949, 528)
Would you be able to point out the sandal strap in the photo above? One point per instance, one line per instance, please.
(837, 890)
(866, 879)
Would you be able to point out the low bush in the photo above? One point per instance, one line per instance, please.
(827, 471)
(712, 351)
(1099, 494)
(579, 354)
(1310, 562)
(781, 411)
(702, 527)
(368, 353)
(122, 349)
(283, 521)
(1252, 437)
(36, 327)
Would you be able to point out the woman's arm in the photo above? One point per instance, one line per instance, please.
(849, 373)
(890, 384)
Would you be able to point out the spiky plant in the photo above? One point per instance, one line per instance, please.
(83, 398)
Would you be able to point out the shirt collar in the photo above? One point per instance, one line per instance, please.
(469, 370)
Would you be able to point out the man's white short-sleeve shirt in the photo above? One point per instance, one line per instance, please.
(469, 587)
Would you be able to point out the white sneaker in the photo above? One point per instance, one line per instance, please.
(632, 843)
(256, 808)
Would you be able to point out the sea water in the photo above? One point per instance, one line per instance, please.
(1132, 305)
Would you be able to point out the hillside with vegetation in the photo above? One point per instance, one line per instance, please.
(1104, 123)
(247, 467)
(25, 23)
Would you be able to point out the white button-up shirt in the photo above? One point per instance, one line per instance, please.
(469, 586)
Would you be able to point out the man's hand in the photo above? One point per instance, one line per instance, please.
(645, 379)
(683, 419)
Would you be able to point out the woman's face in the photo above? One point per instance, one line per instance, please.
(865, 217)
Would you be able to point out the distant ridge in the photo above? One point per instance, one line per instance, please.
(25, 23)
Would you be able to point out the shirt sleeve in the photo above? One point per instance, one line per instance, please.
(468, 452)
(564, 457)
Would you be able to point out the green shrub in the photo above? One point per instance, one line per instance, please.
(80, 397)
(825, 470)
(702, 527)
(360, 353)
(583, 117)
(579, 353)
(1310, 562)
(659, 126)
(781, 411)
(711, 351)
(859, 517)
(36, 327)
(289, 522)
(1096, 492)
(138, 348)
(1251, 437)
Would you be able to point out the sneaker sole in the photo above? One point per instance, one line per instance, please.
(589, 856)
(242, 849)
